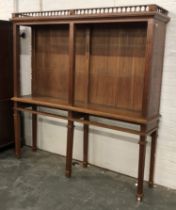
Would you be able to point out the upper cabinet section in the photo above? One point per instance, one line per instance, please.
(106, 61)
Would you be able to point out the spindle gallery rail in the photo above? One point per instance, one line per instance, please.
(103, 62)
(95, 11)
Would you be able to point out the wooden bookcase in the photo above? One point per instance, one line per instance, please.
(103, 62)
(6, 85)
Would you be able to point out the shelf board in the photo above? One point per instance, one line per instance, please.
(59, 104)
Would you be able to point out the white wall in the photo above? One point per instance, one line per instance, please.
(6, 8)
(109, 149)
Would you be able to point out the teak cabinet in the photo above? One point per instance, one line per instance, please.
(103, 62)
(6, 84)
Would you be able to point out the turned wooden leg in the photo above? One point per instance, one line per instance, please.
(152, 157)
(17, 133)
(34, 130)
(85, 144)
(141, 166)
(70, 132)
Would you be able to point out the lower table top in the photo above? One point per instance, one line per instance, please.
(60, 104)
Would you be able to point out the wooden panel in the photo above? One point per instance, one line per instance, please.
(6, 123)
(6, 60)
(71, 72)
(6, 84)
(56, 103)
(156, 69)
(116, 66)
(82, 56)
(50, 62)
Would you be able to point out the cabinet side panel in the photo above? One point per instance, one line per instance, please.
(6, 123)
(6, 84)
(156, 69)
(6, 60)
(50, 62)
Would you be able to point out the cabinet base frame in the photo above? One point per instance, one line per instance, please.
(149, 129)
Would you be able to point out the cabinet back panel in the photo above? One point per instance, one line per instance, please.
(50, 62)
(113, 77)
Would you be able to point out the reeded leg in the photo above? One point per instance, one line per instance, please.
(152, 157)
(141, 166)
(70, 132)
(17, 134)
(34, 130)
(85, 144)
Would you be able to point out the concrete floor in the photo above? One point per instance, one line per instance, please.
(37, 182)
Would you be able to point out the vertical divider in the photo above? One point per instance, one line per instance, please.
(70, 128)
(16, 83)
(71, 63)
(87, 90)
(87, 65)
(16, 60)
(33, 76)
